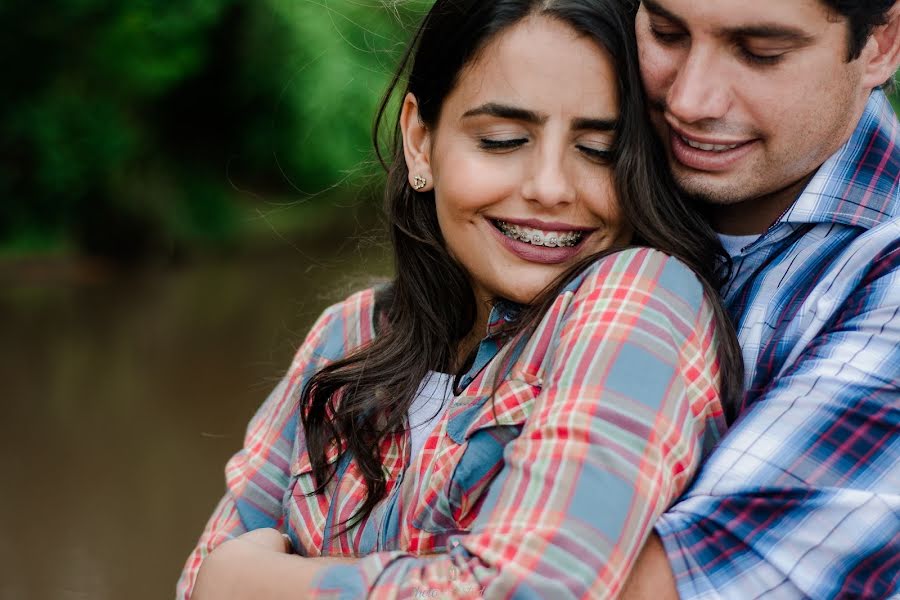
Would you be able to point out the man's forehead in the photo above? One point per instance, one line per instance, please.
(766, 18)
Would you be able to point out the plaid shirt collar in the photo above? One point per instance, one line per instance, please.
(857, 185)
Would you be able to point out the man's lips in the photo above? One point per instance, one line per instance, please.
(707, 153)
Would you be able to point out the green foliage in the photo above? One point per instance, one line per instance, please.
(130, 127)
(126, 126)
(78, 121)
(312, 110)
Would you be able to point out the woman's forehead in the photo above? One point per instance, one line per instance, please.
(541, 64)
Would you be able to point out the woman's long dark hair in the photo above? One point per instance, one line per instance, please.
(430, 307)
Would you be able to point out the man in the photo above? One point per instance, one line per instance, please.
(771, 114)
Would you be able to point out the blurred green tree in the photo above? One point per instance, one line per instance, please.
(130, 128)
(127, 126)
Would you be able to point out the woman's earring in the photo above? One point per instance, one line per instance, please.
(419, 182)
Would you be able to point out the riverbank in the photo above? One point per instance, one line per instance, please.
(261, 228)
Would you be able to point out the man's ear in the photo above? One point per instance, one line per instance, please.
(882, 51)
(416, 145)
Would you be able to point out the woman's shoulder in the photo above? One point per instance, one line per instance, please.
(341, 328)
(639, 298)
(645, 287)
(356, 308)
(643, 271)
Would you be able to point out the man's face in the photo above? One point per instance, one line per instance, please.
(750, 98)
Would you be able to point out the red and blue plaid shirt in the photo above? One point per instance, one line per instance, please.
(802, 497)
(598, 424)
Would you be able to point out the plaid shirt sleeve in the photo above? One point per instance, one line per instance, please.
(615, 434)
(258, 474)
(802, 497)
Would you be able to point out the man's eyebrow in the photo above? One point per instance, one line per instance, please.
(502, 111)
(770, 31)
(659, 10)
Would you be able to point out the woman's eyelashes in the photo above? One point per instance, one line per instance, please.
(592, 153)
(501, 144)
(599, 155)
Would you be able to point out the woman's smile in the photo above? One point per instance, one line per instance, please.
(535, 232)
(522, 160)
(548, 244)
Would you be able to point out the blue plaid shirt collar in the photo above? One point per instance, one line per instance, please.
(857, 185)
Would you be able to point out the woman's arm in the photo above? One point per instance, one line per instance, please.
(615, 434)
(258, 565)
(628, 400)
(258, 475)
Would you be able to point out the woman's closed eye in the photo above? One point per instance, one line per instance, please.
(596, 154)
(500, 144)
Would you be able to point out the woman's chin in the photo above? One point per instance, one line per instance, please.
(527, 293)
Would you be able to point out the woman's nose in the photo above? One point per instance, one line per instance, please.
(549, 183)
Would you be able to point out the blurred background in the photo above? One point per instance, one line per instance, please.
(183, 188)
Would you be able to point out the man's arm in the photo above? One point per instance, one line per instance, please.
(651, 578)
(802, 497)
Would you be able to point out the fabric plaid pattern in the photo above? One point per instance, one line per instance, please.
(598, 423)
(802, 497)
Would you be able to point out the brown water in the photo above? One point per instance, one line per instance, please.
(122, 399)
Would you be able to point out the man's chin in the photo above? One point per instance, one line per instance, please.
(704, 187)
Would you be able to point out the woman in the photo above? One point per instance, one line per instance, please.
(512, 413)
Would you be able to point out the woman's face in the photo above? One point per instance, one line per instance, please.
(519, 159)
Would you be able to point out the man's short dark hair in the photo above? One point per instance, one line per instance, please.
(863, 16)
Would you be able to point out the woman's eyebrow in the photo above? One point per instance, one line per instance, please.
(514, 113)
(504, 111)
(581, 124)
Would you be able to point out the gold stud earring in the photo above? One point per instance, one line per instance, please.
(419, 182)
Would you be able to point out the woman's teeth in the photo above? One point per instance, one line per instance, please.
(709, 147)
(539, 237)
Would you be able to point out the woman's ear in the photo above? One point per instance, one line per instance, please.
(416, 146)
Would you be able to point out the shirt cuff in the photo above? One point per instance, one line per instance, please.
(352, 581)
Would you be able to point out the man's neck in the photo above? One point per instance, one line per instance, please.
(756, 215)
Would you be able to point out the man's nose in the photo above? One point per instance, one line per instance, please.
(699, 90)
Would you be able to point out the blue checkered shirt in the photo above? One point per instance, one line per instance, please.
(801, 499)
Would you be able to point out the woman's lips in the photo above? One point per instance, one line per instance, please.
(545, 225)
(539, 254)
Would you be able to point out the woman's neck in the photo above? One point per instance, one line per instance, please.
(468, 344)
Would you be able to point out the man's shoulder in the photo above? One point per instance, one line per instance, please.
(886, 233)
(828, 259)
(882, 244)
(859, 185)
